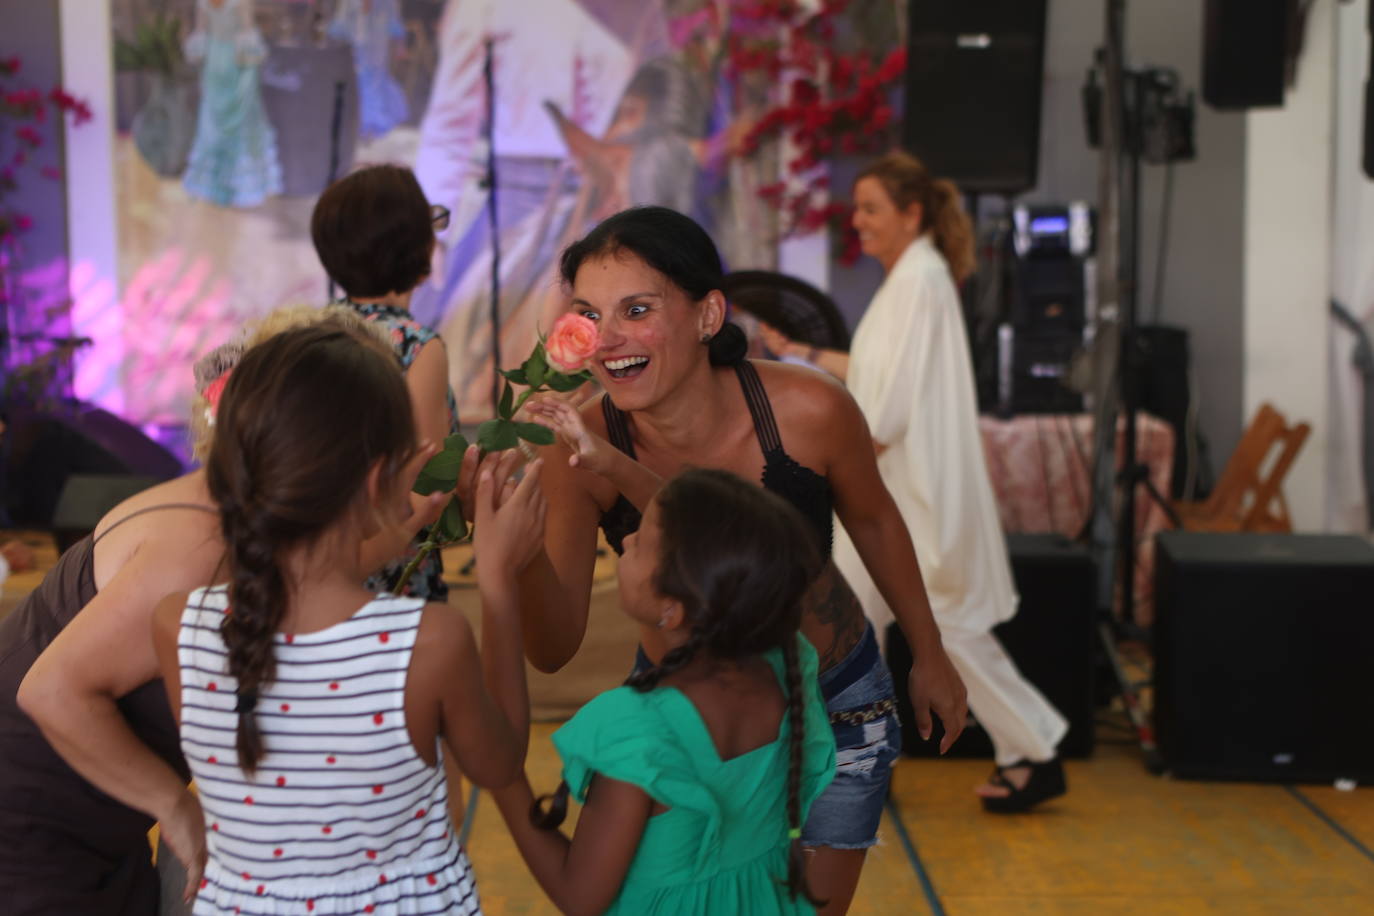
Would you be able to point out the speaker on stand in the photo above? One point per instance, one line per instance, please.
(974, 79)
(973, 91)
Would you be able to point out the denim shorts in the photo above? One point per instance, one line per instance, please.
(868, 739)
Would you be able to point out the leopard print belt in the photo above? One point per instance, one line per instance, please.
(865, 713)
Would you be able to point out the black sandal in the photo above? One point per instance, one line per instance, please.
(1046, 781)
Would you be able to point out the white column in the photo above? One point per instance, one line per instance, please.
(1352, 272)
(1287, 272)
(92, 246)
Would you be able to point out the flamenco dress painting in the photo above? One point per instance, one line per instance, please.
(371, 26)
(233, 160)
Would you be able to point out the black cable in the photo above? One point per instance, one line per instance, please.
(1162, 257)
(493, 223)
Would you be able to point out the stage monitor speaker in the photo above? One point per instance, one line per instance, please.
(87, 497)
(1245, 46)
(45, 449)
(1051, 639)
(1262, 651)
(973, 91)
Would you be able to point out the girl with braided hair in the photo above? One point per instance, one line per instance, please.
(314, 714)
(89, 756)
(698, 774)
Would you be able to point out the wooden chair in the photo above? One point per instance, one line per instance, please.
(1248, 495)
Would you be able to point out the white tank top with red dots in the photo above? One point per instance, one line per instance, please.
(342, 816)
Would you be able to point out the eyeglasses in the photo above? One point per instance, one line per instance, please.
(438, 215)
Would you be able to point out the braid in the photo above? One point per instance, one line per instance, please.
(647, 679)
(257, 601)
(279, 492)
(551, 818)
(796, 865)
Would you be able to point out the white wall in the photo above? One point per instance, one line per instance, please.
(1287, 274)
(1352, 273)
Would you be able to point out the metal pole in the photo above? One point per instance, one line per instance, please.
(493, 222)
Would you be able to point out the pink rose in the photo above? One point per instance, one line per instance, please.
(572, 343)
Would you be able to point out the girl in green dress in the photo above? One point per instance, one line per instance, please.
(697, 775)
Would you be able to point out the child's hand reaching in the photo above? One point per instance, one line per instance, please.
(589, 451)
(509, 517)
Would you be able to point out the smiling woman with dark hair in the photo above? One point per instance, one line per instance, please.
(680, 394)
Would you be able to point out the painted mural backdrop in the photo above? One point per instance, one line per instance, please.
(234, 115)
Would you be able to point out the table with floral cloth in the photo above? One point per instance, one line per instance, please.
(1041, 470)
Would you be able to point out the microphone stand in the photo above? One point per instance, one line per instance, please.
(493, 222)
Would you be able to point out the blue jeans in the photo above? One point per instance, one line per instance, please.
(847, 813)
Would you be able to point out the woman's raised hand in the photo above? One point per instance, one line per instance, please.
(509, 516)
(184, 833)
(589, 451)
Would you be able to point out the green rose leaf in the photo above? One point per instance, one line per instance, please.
(560, 382)
(452, 524)
(456, 443)
(515, 375)
(507, 401)
(425, 484)
(497, 435)
(444, 466)
(535, 433)
(536, 367)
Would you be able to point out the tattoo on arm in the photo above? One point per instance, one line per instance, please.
(833, 604)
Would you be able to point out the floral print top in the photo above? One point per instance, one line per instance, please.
(408, 336)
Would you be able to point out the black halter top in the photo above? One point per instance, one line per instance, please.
(808, 491)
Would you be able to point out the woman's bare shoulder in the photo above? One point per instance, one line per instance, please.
(803, 394)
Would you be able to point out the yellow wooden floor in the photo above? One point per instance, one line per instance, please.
(1122, 841)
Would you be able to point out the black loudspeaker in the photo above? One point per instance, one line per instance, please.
(1049, 296)
(1262, 651)
(1244, 52)
(44, 450)
(973, 87)
(1051, 639)
(86, 498)
(1039, 365)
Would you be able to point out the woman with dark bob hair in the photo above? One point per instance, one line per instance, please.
(374, 233)
(681, 394)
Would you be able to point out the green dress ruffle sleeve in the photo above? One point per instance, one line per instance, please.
(721, 847)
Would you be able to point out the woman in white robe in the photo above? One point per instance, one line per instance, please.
(910, 372)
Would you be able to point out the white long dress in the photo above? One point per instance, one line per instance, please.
(910, 372)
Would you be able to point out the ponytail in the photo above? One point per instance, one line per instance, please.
(907, 181)
(952, 228)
